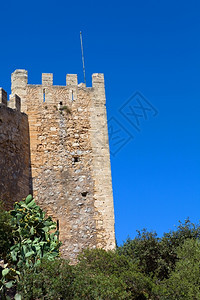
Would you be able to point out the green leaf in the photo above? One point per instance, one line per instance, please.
(23, 204)
(29, 241)
(18, 297)
(9, 284)
(32, 230)
(28, 254)
(31, 204)
(5, 272)
(28, 199)
(45, 229)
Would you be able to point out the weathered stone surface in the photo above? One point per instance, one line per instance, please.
(70, 162)
(14, 156)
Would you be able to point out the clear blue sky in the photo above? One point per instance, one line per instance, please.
(148, 46)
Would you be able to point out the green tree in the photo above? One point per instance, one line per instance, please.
(145, 250)
(104, 274)
(174, 239)
(157, 257)
(184, 281)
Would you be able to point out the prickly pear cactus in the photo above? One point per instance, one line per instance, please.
(35, 236)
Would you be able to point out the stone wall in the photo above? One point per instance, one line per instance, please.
(14, 152)
(70, 160)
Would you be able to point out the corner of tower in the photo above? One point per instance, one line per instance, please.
(99, 87)
(19, 81)
(3, 97)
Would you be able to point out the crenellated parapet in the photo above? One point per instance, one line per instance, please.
(14, 102)
(19, 80)
(46, 91)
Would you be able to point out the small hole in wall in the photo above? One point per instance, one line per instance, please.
(1, 121)
(61, 103)
(84, 194)
(57, 223)
(43, 95)
(72, 95)
(75, 159)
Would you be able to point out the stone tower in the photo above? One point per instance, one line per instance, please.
(70, 173)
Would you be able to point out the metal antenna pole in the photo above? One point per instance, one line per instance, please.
(82, 57)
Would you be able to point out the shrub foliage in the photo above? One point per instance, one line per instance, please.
(146, 267)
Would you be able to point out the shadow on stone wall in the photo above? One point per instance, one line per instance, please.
(15, 169)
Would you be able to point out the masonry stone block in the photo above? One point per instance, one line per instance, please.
(71, 79)
(47, 79)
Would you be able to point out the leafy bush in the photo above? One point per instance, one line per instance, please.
(146, 267)
(144, 250)
(104, 274)
(49, 280)
(184, 281)
(157, 257)
(8, 279)
(98, 275)
(173, 240)
(6, 236)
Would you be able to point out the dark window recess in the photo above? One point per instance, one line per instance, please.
(72, 96)
(61, 103)
(43, 95)
(75, 159)
(57, 224)
(1, 121)
(84, 194)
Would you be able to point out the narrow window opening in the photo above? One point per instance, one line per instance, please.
(61, 103)
(43, 95)
(57, 224)
(72, 95)
(84, 194)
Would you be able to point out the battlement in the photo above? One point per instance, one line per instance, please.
(3, 97)
(19, 79)
(14, 102)
(48, 93)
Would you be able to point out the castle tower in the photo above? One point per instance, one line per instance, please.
(70, 160)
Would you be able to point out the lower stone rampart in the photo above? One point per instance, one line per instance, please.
(14, 156)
